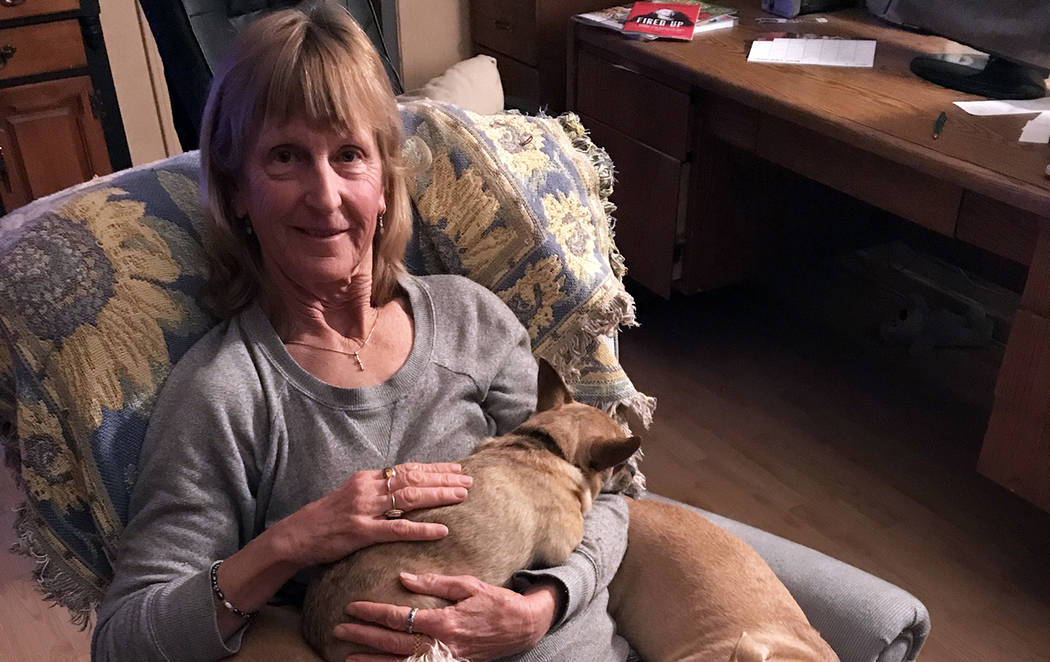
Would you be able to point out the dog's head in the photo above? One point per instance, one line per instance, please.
(583, 435)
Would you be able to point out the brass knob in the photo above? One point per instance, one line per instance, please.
(3, 172)
(6, 53)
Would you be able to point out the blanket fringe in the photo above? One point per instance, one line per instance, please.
(57, 585)
(616, 312)
(606, 172)
(635, 413)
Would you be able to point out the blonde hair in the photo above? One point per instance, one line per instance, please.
(313, 63)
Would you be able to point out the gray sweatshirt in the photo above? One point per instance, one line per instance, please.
(241, 437)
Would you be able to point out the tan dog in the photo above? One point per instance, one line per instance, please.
(727, 603)
(531, 489)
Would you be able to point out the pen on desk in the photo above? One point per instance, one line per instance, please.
(938, 125)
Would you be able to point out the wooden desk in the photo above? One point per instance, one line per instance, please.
(687, 122)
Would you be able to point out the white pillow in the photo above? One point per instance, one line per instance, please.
(472, 84)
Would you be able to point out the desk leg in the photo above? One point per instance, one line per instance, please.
(1016, 450)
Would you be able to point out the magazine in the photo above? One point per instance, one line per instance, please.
(663, 19)
(614, 18)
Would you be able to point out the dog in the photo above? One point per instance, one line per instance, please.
(727, 603)
(525, 509)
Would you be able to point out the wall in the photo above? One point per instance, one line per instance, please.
(433, 35)
(138, 77)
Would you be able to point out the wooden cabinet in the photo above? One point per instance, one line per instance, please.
(726, 168)
(528, 39)
(645, 126)
(59, 121)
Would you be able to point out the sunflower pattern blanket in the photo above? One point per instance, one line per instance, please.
(99, 297)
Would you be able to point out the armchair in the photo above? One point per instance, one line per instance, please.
(192, 35)
(99, 287)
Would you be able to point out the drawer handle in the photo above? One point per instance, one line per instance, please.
(503, 25)
(3, 171)
(6, 53)
(624, 67)
(11, 3)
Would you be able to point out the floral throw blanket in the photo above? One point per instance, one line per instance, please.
(99, 290)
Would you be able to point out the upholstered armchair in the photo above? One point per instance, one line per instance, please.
(99, 296)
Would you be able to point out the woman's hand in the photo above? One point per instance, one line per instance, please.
(352, 515)
(484, 623)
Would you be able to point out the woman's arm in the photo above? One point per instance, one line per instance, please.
(207, 459)
(591, 567)
(193, 502)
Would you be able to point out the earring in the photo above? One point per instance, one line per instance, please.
(379, 221)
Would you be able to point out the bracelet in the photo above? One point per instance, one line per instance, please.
(222, 598)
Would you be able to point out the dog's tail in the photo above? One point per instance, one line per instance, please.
(749, 650)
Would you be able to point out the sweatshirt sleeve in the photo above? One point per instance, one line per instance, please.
(192, 504)
(591, 567)
(511, 396)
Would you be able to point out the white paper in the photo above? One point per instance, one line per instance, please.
(760, 51)
(1037, 130)
(1005, 107)
(828, 52)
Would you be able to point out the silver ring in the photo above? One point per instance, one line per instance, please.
(389, 472)
(412, 620)
(393, 502)
(388, 490)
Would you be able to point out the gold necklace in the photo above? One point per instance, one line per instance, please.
(355, 354)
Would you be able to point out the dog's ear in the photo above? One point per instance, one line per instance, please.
(611, 452)
(551, 391)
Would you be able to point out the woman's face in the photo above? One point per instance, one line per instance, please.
(313, 197)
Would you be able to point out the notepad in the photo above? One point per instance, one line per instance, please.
(828, 52)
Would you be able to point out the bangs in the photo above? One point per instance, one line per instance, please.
(315, 80)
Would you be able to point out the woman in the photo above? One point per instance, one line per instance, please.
(266, 448)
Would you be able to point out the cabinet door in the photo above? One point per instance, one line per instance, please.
(647, 196)
(49, 139)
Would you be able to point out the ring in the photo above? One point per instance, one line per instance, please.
(411, 620)
(388, 490)
(389, 472)
(394, 512)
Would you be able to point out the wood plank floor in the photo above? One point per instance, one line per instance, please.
(778, 407)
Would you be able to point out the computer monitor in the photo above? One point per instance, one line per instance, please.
(1013, 36)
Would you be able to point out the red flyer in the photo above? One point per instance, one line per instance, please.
(663, 19)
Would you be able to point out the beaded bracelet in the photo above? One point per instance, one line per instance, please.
(222, 598)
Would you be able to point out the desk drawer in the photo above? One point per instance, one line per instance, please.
(630, 102)
(906, 192)
(648, 194)
(36, 8)
(42, 48)
(506, 26)
(520, 82)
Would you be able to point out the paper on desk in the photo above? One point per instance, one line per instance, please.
(1005, 107)
(1037, 130)
(829, 52)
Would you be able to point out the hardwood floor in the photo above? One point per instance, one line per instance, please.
(30, 629)
(778, 407)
